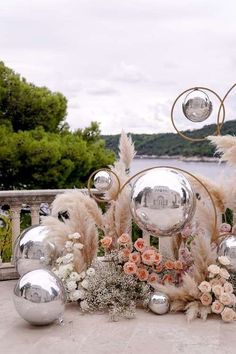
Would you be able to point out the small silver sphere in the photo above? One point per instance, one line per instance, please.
(32, 250)
(159, 303)
(102, 181)
(39, 297)
(197, 106)
(227, 248)
(162, 201)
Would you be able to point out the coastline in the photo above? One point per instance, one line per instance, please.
(180, 157)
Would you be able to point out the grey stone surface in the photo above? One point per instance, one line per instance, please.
(94, 334)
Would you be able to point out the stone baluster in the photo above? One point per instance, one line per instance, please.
(15, 215)
(146, 237)
(35, 214)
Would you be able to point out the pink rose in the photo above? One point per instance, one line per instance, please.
(217, 307)
(135, 257)
(226, 299)
(228, 288)
(178, 265)
(124, 239)
(228, 315)
(206, 299)
(106, 241)
(158, 258)
(204, 287)
(153, 278)
(224, 273)
(217, 290)
(125, 253)
(169, 265)
(142, 274)
(148, 257)
(139, 244)
(130, 268)
(225, 228)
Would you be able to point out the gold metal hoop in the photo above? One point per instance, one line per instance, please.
(183, 171)
(90, 181)
(222, 106)
(219, 125)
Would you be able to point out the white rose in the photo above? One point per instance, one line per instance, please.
(224, 260)
(75, 276)
(228, 315)
(224, 273)
(59, 260)
(90, 271)
(206, 299)
(228, 288)
(214, 269)
(69, 245)
(85, 284)
(68, 258)
(217, 307)
(65, 270)
(226, 299)
(77, 295)
(217, 290)
(71, 285)
(74, 236)
(82, 275)
(204, 287)
(78, 246)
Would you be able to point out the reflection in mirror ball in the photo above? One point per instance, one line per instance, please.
(197, 106)
(102, 181)
(162, 201)
(227, 248)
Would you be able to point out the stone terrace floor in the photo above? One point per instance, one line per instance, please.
(94, 334)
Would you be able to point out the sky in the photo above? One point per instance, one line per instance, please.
(123, 62)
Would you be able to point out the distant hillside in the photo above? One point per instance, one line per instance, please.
(172, 144)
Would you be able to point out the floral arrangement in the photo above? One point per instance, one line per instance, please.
(189, 271)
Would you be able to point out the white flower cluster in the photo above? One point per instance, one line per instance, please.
(218, 292)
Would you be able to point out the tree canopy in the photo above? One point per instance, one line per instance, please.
(25, 106)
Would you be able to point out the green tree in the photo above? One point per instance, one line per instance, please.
(25, 106)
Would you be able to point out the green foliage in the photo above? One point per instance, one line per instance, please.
(228, 217)
(25, 106)
(173, 144)
(5, 237)
(37, 159)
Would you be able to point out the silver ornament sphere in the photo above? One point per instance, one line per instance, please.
(39, 297)
(162, 201)
(102, 181)
(197, 106)
(32, 250)
(159, 303)
(227, 248)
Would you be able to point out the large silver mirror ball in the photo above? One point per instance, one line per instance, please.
(39, 297)
(162, 201)
(227, 248)
(197, 106)
(32, 250)
(159, 303)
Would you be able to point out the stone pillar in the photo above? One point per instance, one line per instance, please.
(35, 214)
(15, 215)
(146, 237)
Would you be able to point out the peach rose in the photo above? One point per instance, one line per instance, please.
(178, 265)
(228, 288)
(214, 269)
(224, 273)
(228, 315)
(158, 258)
(148, 257)
(153, 278)
(159, 267)
(124, 239)
(135, 257)
(139, 244)
(169, 264)
(217, 290)
(225, 227)
(225, 299)
(106, 241)
(204, 287)
(206, 299)
(217, 307)
(125, 253)
(142, 274)
(130, 268)
(167, 278)
(224, 260)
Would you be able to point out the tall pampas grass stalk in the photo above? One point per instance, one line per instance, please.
(226, 146)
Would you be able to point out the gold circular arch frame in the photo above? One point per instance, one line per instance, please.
(221, 108)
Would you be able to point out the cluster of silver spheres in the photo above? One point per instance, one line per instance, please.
(39, 295)
(197, 106)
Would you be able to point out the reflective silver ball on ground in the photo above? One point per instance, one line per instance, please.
(197, 106)
(159, 303)
(102, 181)
(39, 297)
(162, 201)
(227, 248)
(32, 250)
